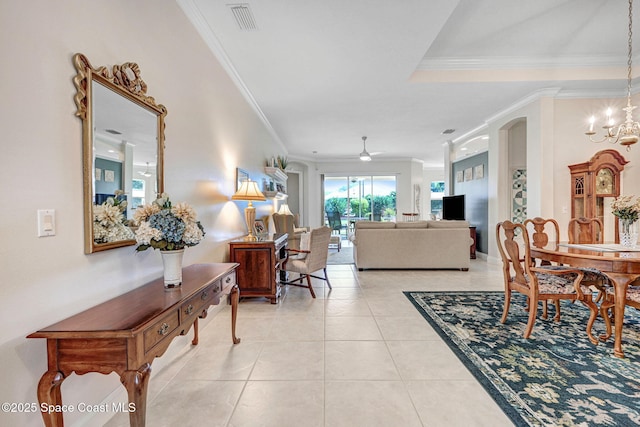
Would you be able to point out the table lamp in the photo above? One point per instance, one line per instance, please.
(284, 210)
(249, 191)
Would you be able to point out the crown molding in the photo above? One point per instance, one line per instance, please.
(535, 96)
(510, 62)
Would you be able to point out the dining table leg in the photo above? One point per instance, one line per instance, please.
(620, 282)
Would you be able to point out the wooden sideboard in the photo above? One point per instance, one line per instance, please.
(125, 334)
(260, 261)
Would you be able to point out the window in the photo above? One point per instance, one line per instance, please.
(437, 191)
(360, 198)
(137, 193)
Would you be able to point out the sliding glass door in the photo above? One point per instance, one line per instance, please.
(348, 199)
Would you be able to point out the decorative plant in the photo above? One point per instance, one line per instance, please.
(282, 162)
(389, 212)
(166, 227)
(109, 223)
(626, 207)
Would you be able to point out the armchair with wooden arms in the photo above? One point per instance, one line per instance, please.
(541, 232)
(537, 283)
(307, 261)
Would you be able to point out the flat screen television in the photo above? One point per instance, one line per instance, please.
(453, 207)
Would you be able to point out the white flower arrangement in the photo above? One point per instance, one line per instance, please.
(626, 207)
(109, 223)
(166, 227)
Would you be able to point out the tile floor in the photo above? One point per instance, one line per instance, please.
(358, 355)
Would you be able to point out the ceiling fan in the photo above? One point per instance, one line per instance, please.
(365, 156)
(146, 173)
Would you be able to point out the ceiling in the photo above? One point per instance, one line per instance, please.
(322, 74)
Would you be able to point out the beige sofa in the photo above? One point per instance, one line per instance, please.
(412, 245)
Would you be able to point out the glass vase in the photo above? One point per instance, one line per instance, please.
(628, 232)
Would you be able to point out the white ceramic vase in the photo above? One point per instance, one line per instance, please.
(172, 262)
(628, 232)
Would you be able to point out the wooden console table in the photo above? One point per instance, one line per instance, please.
(126, 333)
(260, 261)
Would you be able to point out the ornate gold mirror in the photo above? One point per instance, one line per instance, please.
(123, 146)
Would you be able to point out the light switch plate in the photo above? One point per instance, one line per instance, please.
(46, 222)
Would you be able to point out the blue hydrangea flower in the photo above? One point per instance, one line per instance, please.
(171, 227)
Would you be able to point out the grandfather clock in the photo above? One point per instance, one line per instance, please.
(594, 180)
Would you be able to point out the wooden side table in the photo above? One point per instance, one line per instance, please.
(260, 262)
(472, 249)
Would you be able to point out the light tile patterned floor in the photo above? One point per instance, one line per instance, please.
(358, 355)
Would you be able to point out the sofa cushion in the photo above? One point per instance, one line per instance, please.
(375, 224)
(412, 224)
(448, 224)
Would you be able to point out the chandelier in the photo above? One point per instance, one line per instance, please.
(626, 133)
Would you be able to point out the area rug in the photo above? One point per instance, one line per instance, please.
(555, 378)
(345, 256)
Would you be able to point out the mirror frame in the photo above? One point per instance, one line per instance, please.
(124, 80)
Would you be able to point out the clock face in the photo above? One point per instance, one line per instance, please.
(605, 182)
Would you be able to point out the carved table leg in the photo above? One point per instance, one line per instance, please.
(620, 283)
(136, 383)
(49, 393)
(195, 332)
(235, 297)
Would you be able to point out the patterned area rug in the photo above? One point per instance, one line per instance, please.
(555, 378)
(345, 256)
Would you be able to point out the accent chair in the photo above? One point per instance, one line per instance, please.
(308, 261)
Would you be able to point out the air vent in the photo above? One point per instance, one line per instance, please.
(243, 15)
(448, 131)
(113, 131)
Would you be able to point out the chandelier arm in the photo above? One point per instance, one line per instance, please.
(627, 133)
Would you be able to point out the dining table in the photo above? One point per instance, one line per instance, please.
(620, 264)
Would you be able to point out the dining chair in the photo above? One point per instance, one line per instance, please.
(308, 261)
(589, 230)
(585, 230)
(537, 283)
(542, 231)
(539, 230)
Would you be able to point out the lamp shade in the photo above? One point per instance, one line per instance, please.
(249, 191)
(284, 210)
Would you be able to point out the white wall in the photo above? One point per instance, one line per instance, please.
(210, 130)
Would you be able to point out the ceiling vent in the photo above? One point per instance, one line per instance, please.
(448, 131)
(243, 15)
